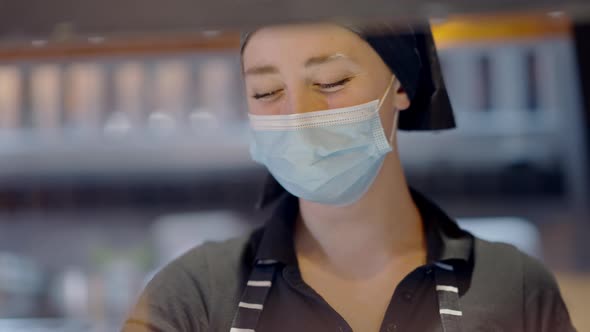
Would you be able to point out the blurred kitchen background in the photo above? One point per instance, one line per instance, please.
(118, 154)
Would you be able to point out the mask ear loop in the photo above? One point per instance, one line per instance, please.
(395, 112)
(386, 92)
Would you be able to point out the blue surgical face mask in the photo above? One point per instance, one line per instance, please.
(329, 157)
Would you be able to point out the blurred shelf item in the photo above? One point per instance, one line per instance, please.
(500, 28)
(21, 286)
(155, 45)
(123, 115)
(514, 102)
(50, 325)
(27, 157)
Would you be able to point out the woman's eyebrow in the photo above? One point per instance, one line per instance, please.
(261, 70)
(314, 61)
(323, 59)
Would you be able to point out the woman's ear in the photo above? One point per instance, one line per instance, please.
(401, 101)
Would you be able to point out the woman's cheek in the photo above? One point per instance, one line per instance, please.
(348, 96)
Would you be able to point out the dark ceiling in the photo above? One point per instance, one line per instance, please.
(22, 20)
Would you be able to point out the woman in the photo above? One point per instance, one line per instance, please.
(350, 247)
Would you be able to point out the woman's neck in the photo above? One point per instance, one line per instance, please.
(383, 226)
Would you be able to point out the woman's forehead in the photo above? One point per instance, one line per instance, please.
(302, 41)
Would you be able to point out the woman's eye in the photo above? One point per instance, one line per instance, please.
(333, 86)
(266, 95)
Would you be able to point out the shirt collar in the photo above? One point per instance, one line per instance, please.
(444, 239)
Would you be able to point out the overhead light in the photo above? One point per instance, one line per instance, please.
(161, 122)
(211, 33)
(556, 14)
(96, 39)
(39, 42)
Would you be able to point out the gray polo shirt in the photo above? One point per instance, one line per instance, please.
(500, 288)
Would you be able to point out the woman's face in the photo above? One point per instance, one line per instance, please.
(304, 68)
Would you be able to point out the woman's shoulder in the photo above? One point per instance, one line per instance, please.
(514, 279)
(214, 264)
(183, 294)
(216, 255)
(503, 257)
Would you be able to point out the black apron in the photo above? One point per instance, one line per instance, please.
(252, 301)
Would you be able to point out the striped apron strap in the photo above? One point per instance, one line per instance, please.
(448, 297)
(254, 296)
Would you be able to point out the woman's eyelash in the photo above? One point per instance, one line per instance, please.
(265, 95)
(335, 84)
(320, 85)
